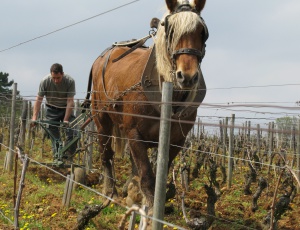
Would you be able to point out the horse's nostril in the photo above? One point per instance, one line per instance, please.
(180, 77)
(196, 77)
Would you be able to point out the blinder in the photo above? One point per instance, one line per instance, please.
(205, 32)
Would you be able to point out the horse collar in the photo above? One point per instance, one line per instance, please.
(150, 81)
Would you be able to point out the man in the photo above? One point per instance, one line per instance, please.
(59, 90)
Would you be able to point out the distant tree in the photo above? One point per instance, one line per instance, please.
(6, 94)
(5, 84)
(285, 122)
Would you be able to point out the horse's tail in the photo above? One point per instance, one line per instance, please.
(87, 102)
(119, 142)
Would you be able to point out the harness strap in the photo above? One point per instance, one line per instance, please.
(139, 44)
(87, 102)
(103, 73)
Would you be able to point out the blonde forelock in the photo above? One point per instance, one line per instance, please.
(179, 24)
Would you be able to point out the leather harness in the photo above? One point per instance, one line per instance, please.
(150, 79)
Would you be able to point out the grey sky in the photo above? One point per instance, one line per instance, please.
(251, 43)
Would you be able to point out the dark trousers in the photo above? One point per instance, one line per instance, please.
(58, 114)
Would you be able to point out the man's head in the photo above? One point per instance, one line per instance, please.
(57, 73)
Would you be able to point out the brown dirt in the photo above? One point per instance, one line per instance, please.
(233, 209)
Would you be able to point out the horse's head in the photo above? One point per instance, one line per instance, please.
(180, 43)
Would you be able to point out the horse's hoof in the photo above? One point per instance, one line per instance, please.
(134, 195)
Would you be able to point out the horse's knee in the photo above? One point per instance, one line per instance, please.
(107, 155)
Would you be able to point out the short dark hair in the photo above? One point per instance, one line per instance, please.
(56, 68)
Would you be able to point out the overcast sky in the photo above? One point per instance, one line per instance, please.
(251, 43)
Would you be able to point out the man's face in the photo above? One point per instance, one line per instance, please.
(56, 77)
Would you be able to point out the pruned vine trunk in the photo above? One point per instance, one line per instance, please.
(262, 184)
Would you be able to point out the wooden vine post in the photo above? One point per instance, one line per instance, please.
(258, 141)
(10, 156)
(293, 145)
(230, 154)
(198, 129)
(271, 147)
(298, 155)
(225, 125)
(19, 195)
(249, 131)
(23, 124)
(28, 136)
(89, 154)
(1, 141)
(245, 131)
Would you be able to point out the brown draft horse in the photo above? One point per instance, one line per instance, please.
(118, 96)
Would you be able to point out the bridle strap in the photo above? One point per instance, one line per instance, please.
(189, 51)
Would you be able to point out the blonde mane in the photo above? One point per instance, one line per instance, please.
(179, 25)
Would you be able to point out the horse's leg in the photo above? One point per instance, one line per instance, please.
(134, 172)
(173, 151)
(104, 125)
(122, 148)
(140, 157)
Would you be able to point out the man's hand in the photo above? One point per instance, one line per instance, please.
(66, 123)
(32, 124)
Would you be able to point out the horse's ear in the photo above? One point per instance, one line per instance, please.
(171, 4)
(199, 5)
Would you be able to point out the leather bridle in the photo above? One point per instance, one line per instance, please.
(191, 51)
